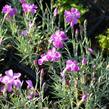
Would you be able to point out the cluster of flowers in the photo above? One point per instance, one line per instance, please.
(12, 81)
(52, 55)
(27, 8)
(58, 38)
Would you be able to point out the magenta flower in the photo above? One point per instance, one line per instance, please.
(42, 59)
(58, 38)
(29, 8)
(11, 80)
(9, 10)
(52, 55)
(55, 12)
(22, 1)
(29, 84)
(72, 66)
(84, 61)
(72, 16)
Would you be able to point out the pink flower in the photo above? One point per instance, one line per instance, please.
(58, 38)
(9, 10)
(6, 9)
(11, 80)
(72, 16)
(55, 12)
(42, 59)
(29, 8)
(72, 66)
(52, 55)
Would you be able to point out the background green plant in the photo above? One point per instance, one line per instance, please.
(103, 40)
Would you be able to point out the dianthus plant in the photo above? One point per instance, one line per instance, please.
(69, 71)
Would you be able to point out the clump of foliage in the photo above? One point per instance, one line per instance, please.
(67, 4)
(103, 40)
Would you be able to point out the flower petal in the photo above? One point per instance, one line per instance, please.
(9, 87)
(16, 75)
(29, 83)
(17, 83)
(9, 73)
(5, 79)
